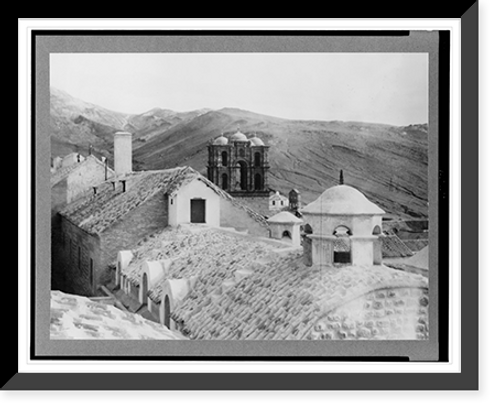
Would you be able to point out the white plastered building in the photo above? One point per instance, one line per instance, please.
(343, 227)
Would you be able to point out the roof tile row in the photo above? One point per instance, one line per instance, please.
(283, 300)
(211, 255)
(95, 213)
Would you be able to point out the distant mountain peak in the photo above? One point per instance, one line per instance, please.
(158, 111)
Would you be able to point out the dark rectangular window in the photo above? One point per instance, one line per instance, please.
(341, 257)
(198, 211)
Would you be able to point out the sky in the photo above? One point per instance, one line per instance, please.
(389, 88)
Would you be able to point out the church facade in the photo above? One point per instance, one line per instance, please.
(239, 165)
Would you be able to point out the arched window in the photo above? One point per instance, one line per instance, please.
(224, 181)
(258, 182)
(241, 174)
(308, 229)
(376, 230)
(342, 252)
(342, 231)
(286, 234)
(224, 158)
(242, 153)
(257, 159)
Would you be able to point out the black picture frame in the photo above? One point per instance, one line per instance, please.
(467, 379)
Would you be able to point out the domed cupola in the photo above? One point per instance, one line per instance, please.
(220, 141)
(343, 224)
(343, 200)
(238, 137)
(256, 141)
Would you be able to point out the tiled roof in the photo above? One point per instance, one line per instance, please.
(95, 213)
(388, 313)
(393, 246)
(409, 225)
(277, 196)
(198, 252)
(420, 259)
(259, 204)
(284, 299)
(416, 244)
(77, 317)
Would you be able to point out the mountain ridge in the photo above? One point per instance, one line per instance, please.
(388, 163)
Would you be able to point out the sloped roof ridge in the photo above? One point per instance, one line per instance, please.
(257, 217)
(83, 201)
(393, 246)
(62, 173)
(96, 213)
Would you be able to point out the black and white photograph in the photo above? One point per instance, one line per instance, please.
(240, 196)
(254, 213)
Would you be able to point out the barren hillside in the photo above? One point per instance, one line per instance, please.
(387, 163)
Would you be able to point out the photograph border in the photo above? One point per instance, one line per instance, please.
(442, 192)
(435, 44)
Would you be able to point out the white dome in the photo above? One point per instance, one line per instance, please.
(284, 217)
(238, 137)
(342, 200)
(220, 141)
(256, 141)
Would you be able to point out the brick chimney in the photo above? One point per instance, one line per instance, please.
(123, 153)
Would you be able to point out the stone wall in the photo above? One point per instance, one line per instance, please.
(58, 197)
(138, 224)
(58, 202)
(76, 263)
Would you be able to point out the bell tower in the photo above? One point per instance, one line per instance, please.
(239, 165)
